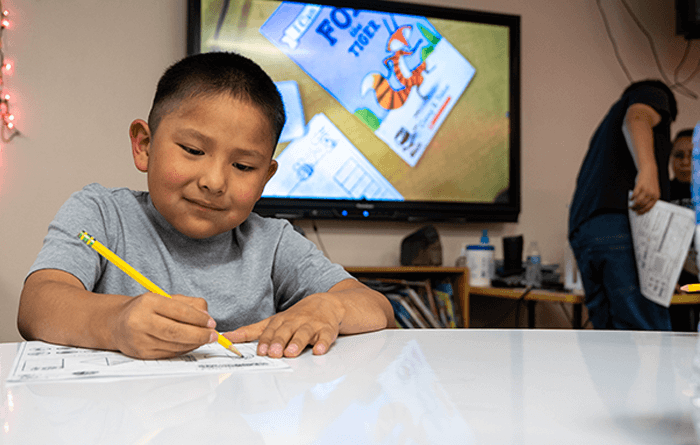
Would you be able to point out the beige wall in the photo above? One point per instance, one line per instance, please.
(84, 70)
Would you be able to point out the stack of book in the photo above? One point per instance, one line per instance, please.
(419, 304)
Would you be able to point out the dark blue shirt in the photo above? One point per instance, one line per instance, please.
(608, 172)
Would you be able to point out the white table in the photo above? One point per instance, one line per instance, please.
(395, 386)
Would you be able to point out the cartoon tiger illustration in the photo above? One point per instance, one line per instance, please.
(388, 97)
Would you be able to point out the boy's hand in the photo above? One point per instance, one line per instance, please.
(314, 321)
(153, 326)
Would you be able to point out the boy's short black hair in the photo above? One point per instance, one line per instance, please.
(660, 85)
(684, 133)
(216, 73)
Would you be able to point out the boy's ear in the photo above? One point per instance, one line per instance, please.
(271, 170)
(140, 136)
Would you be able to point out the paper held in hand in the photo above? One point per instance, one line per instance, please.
(661, 239)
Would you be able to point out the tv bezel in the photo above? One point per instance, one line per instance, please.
(424, 211)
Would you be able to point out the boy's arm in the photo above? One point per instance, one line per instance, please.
(637, 127)
(55, 307)
(349, 307)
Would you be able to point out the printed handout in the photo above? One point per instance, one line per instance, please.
(661, 240)
(39, 361)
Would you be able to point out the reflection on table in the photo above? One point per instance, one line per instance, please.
(391, 387)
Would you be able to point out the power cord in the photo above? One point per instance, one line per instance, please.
(676, 85)
(612, 40)
(517, 304)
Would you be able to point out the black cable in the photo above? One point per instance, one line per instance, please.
(320, 241)
(612, 40)
(649, 39)
(693, 74)
(680, 64)
(676, 72)
(676, 85)
(521, 298)
(570, 319)
(686, 91)
(516, 307)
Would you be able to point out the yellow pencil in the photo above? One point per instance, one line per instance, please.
(143, 281)
(691, 288)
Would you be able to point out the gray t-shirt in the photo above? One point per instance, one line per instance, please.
(258, 269)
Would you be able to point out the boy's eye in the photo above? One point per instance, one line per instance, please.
(241, 167)
(191, 151)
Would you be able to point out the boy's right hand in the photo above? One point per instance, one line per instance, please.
(153, 326)
(55, 307)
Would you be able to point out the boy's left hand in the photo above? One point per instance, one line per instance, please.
(349, 307)
(313, 321)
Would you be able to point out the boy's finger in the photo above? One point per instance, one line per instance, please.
(274, 340)
(248, 333)
(302, 337)
(180, 336)
(199, 303)
(184, 313)
(325, 339)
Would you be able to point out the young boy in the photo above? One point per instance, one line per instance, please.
(207, 150)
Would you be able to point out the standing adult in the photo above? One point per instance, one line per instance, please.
(684, 318)
(681, 165)
(629, 151)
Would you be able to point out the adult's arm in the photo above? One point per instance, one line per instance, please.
(638, 124)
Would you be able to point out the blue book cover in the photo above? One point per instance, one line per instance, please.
(401, 315)
(394, 72)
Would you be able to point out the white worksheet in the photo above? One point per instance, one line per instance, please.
(324, 163)
(661, 240)
(39, 361)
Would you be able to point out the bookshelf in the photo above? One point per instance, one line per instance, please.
(458, 276)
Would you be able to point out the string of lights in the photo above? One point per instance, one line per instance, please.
(7, 126)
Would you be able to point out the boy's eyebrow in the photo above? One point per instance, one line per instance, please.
(191, 132)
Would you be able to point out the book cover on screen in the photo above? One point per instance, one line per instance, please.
(394, 72)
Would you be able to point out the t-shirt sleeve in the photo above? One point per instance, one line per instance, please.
(654, 97)
(301, 269)
(63, 250)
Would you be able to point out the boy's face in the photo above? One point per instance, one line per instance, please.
(681, 156)
(207, 163)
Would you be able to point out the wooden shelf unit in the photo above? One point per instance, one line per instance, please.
(459, 276)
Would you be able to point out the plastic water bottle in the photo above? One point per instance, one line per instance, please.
(533, 266)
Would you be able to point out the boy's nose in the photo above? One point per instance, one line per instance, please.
(213, 179)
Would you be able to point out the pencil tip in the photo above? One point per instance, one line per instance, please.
(235, 350)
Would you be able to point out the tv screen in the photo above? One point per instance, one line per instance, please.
(395, 111)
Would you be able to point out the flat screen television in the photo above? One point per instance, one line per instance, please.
(395, 111)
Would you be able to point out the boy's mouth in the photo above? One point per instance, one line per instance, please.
(204, 204)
